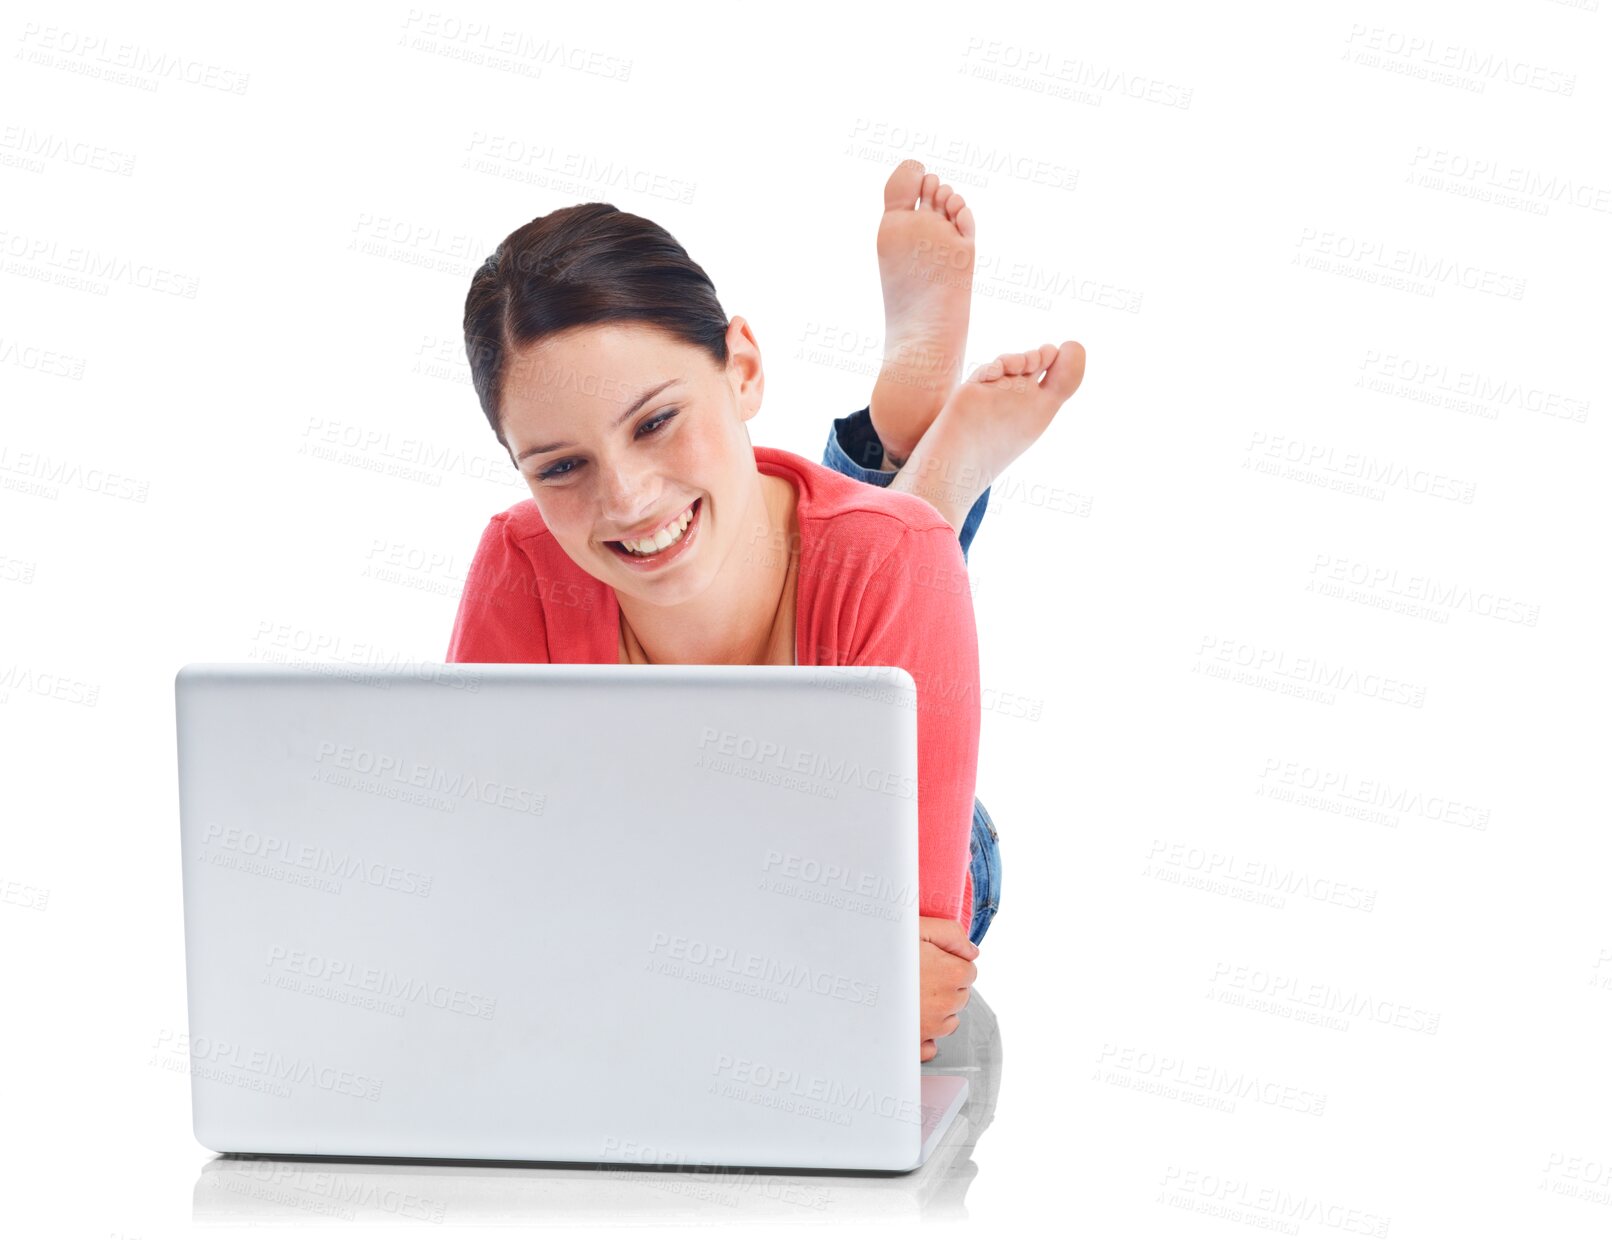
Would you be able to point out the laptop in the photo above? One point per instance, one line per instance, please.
(658, 916)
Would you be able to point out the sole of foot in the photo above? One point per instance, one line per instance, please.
(926, 267)
(988, 423)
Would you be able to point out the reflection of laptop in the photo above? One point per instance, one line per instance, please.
(556, 912)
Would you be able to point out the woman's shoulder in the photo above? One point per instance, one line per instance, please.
(521, 521)
(836, 511)
(525, 600)
(518, 551)
(881, 575)
(523, 537)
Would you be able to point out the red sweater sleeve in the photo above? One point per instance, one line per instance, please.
(917, 613)
(500, 617)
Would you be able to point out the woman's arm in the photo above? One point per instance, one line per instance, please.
(917, 613)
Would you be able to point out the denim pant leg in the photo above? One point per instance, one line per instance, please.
(854, 450)
(985, 870)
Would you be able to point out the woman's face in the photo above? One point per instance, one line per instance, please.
(618, 429)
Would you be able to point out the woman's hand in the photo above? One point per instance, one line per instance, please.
(946, 970)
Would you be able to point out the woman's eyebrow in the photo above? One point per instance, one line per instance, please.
(633, 408)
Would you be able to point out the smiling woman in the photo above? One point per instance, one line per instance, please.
(656, 532)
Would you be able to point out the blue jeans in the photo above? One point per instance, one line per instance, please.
(854, 450)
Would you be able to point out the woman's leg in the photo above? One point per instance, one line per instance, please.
(854, 450)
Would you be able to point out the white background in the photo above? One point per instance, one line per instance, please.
(1317, 524)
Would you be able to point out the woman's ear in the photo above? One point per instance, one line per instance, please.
(744, 368)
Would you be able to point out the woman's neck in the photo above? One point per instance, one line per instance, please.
(744, 618)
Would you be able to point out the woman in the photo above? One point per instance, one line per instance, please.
(657, 533)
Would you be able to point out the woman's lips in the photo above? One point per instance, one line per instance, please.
(669, 554)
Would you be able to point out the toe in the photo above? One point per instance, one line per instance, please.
(941, 196)
(965, 222)
(926, 191)
(1067, 370)
(901, 190)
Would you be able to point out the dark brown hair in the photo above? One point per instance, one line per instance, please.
(576, 266)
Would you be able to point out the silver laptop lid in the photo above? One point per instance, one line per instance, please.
(553, 912)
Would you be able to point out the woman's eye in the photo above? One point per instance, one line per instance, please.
(650, 427)
(655, 423)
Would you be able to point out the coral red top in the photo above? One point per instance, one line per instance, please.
(881, 582)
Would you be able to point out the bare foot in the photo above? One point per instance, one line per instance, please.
(926, 264)
(987, 424)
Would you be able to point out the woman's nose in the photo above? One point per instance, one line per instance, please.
(627, 495)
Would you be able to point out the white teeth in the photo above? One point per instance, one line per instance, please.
(663, 538)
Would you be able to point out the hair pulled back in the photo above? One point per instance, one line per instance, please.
(578, 266)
